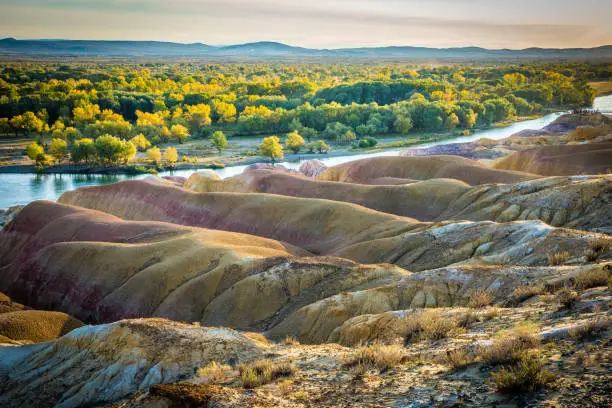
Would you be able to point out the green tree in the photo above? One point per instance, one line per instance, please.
(322, 147)
(218, 140)
(272, 148)
(294, 142)
(112, 150)
(58, 150)
(83, 150)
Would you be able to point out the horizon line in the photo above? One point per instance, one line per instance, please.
(303, 47)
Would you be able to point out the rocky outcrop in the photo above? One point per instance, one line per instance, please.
(370, 171)
(559, 160)
(354, 317)
(101, 365)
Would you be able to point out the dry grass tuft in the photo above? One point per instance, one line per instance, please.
(523, 293)
(261, 372)
(558, 258)
(290, 341)
(592, 329)
(566, 297)
(375, 356)
(592, 278)
(431, 325)
(511, 345)
(214, 373)
(528, 374)
(480, 298)
(596, 249)
(459, 358)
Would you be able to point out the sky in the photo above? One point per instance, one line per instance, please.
(318, 23)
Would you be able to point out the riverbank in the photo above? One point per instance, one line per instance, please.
(237, 157)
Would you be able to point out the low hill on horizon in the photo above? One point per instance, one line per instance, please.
(265, 49)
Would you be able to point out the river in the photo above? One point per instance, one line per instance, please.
(16, 189)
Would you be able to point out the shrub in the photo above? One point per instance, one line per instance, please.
(511, 345)
(214, 373)
(376, 356)
(592, 278)
(566, 297)
(262, 372)
(459, 358)
(558, 258)
(523, 293)
(480, 299)
(528, 374)
(290, 341)
(596, 249)
(367, 142)
(430, 325)
(591, 329)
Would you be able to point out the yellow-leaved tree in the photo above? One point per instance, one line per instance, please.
(272, 148)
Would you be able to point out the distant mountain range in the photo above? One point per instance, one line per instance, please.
(268, 50)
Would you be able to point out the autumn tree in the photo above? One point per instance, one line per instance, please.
(272, 148)
(140, 142)
(294, 142)
(180, 133)
(154, 154)
(35, 152)
(170, 156)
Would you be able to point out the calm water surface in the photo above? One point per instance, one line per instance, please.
(23, 188)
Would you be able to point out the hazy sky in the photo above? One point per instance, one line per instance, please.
(318, 23)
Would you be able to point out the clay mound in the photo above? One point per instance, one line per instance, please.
(36, 325)
(333, 228)
(423, 200)
(581, 203)
(99, 365)
(319, 226)
(420, 168)
(7, 305)
(100, 268)
(200, 177)
(561, 160)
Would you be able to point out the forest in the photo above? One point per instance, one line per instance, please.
(105, 112)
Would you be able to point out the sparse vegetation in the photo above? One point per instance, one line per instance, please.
(258, 373)
(596, 249)
(480, 299)
(558, 258)
(566, 297)
(430, 325)
(214, 373)
(523, 293)
(528, 374)
(510, 345)
(459, 357)
(593, 278)
(377, 356)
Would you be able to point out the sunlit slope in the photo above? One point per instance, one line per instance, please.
(579, 202)
(100, 268)
(560, 160)
(326, 227)
(392, 170)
